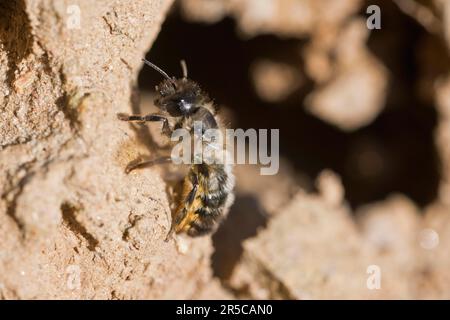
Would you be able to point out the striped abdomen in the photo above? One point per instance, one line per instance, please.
(201, 213)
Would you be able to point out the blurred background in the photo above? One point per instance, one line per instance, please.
(367, 106)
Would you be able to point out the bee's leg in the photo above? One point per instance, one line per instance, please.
(146, 164)
(141, 118)
(146, 118)
(191, 195)
(180, 218)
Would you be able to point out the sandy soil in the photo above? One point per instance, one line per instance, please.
(75, 226)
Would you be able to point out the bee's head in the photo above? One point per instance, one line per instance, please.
(178, 97)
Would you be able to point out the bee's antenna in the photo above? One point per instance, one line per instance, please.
(184, 68)
(161, 71)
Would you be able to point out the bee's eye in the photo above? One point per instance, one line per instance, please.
(185, 105)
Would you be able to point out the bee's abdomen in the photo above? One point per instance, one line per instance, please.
(202, 226)
(214, 196)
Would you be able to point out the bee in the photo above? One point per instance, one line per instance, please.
(207, 189)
